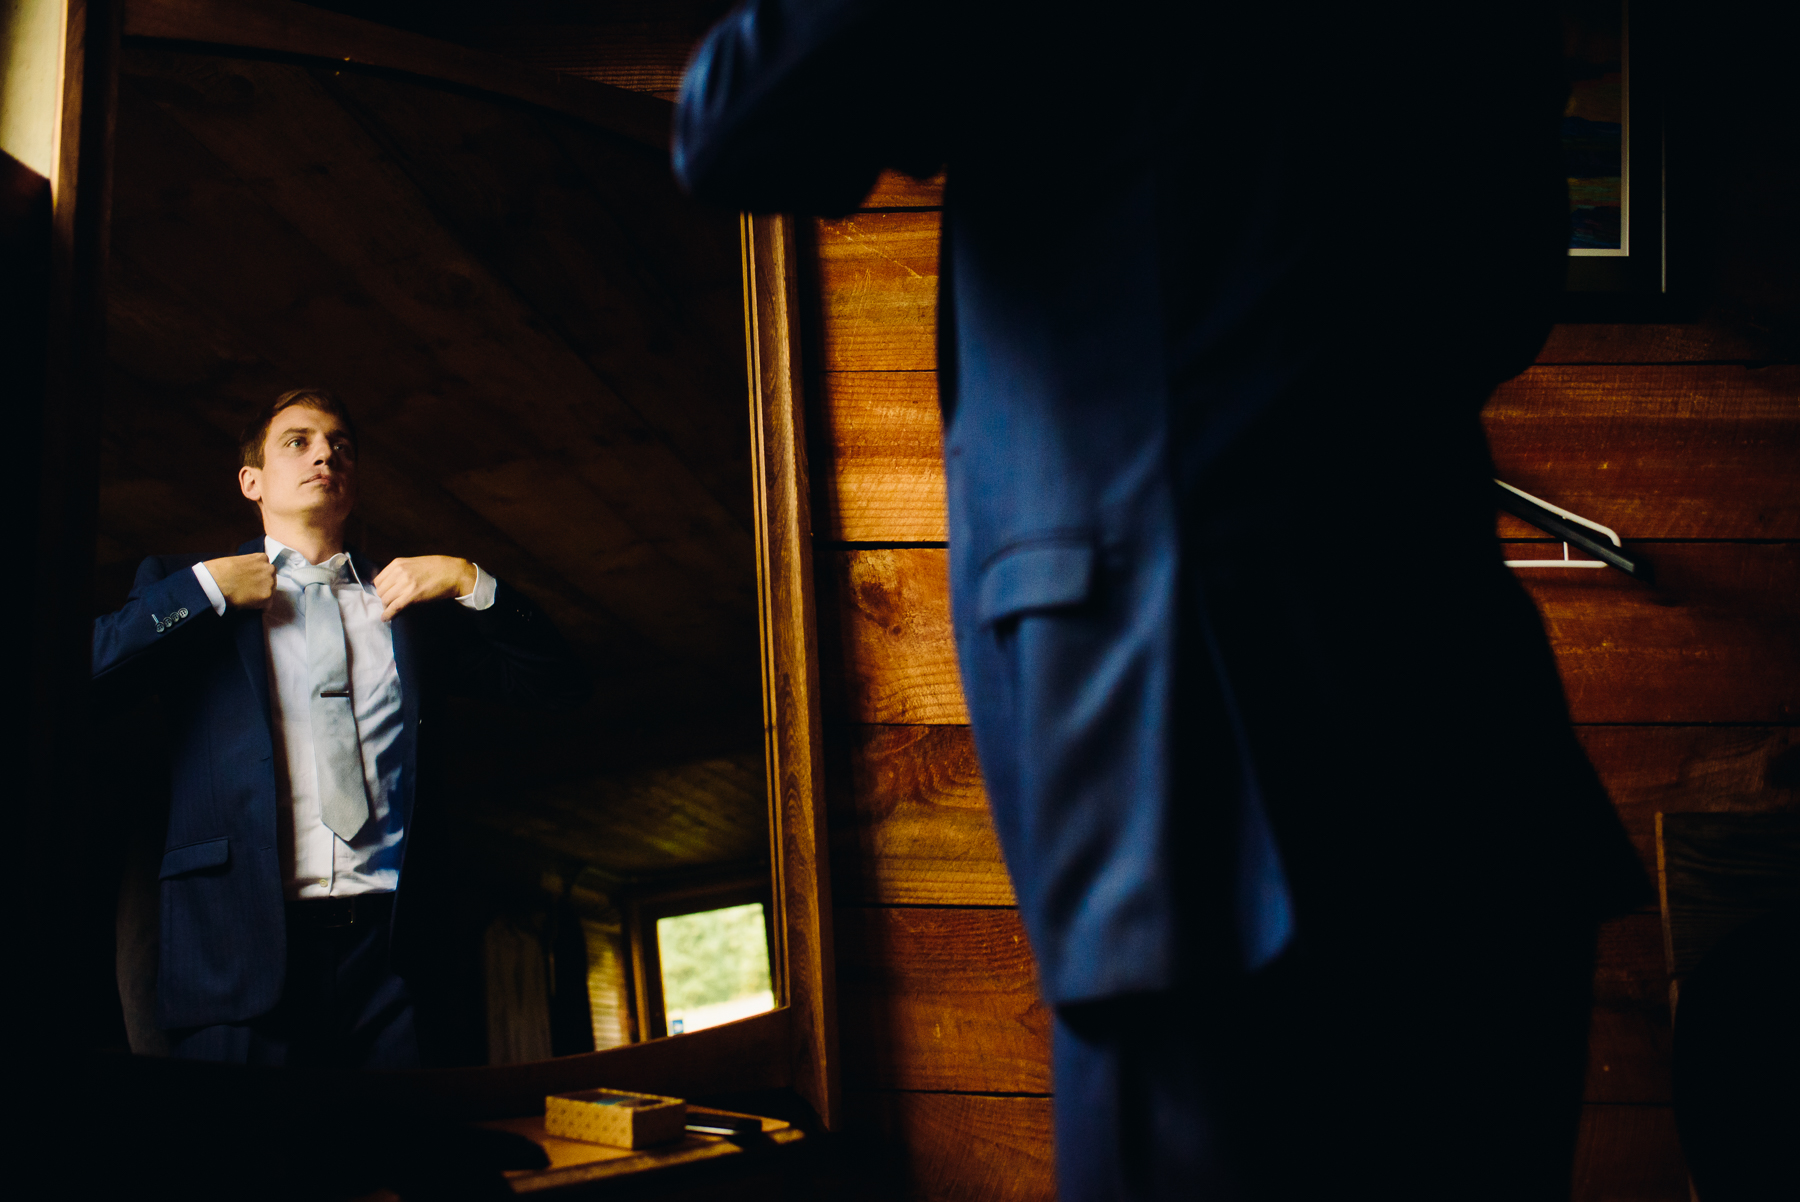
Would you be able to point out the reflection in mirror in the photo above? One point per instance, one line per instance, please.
(715, 966)
(700, 954)
(543, 346)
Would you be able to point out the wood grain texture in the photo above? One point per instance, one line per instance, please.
(1717, 641)
(940, 999)
(909, 819)
(879, 274)
(303, 30)
(893, 657)
(922, 769)
(1629, 1154)
(789, 634)
(1647, 342)
(1692, 769)
(1717, 872)
(897, 190)
(1686, 451)
(1629, 1037)
(642, 47)
(1699, 452)
(881, 457)
(960, 1147)
(878, 291)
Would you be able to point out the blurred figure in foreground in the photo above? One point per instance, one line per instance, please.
(1274, 744)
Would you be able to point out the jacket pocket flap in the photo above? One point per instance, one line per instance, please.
(195, 856)
(1044, 575)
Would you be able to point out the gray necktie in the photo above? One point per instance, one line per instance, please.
(337, 752)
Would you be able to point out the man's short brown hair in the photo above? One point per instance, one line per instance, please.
(250, 446)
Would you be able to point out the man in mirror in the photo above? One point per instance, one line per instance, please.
(297, 678)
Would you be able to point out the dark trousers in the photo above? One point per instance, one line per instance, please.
(343, 1005)
(1455, 1075)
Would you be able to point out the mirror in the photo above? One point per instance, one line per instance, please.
(544, 348)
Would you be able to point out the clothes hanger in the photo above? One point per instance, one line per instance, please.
(1568, 526)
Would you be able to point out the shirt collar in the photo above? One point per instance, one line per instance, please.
(282, 555)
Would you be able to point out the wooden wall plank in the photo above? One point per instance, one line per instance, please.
(879, 271)
(1629, 1154)
(962, 1147)
(1646, 342)
(1629, 1038)
(897, 190)
(910, 824)
(1663, 431)
(1695, 452)
(909, 819)
(1717, 641)
(881, 458)
(936, 999)
(1568, 342)
(1655, 452)
(894, 657)
(1691, 769)
(939, 999)
(335, 36)
(878, 291)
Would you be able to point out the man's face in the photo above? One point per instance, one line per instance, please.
(309, 469)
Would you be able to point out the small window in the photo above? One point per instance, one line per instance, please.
(701, 956)
(715, 966)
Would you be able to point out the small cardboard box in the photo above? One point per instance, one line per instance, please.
(614, 1117)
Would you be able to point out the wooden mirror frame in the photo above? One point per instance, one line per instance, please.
(794, 1045)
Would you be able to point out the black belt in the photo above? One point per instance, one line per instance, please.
(327, 913)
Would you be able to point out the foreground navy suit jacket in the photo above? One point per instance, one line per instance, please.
(223, 942)
(1222, 291)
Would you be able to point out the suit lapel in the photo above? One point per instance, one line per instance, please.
(405, 634)
(252, 646)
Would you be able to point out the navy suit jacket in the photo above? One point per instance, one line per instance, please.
(1222, 291)
(223, 924)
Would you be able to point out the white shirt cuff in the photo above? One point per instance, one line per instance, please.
(482, 597)
(212, 589)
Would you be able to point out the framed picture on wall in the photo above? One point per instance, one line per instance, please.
(1613, 149)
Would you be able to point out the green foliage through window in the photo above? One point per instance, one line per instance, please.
(715, 966)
